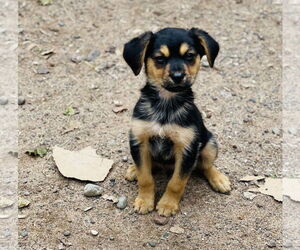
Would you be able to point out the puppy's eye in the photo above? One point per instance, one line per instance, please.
(189, 56)
(160, 59)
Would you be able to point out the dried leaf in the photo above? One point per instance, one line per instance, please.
(72, 126)
(272, 187)
(40, 151)
(176, 229)
(248, 178)
(83, 165)
(5, 202)
(291, 188)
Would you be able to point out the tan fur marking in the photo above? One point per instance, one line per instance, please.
(131, 173)
(194, 69)
(155, 75)
(218, 181)
(181, 137)
(184, 47)
(165, 50)
(144, 202)
(169, 203)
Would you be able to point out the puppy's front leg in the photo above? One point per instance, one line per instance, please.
(144, 202)
(184, 162)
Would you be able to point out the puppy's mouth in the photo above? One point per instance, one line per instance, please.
(172, 87)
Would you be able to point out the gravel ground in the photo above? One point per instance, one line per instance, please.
(240, 100)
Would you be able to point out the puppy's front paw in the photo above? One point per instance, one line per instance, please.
(143, 205)
(167, 206)
(131, 173)
(220, 182)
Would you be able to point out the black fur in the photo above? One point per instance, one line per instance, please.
(178, 109)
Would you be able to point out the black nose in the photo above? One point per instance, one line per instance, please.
(177, 76)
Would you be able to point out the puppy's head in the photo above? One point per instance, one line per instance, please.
(171, 56)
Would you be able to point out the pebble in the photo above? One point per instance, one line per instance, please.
(21, 100)
(122, 202)
(3, 100)
(288, 244)
(24, 233)
(177, 229)
(42, 69)
(67, 233)
(276, 131)
(92, 190)
(92, 55)
(271, 244)
(249, 195)
(61, 246)
(161, 220)
(125, 158)
(94, 232)
(76, 58)
(152, 243)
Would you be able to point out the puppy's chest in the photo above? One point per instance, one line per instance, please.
(178, 135)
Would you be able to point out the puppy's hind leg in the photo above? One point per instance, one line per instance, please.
(131, 174)
(218, 181)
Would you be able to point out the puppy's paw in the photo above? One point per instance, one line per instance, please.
(220, 182)
(167, 206)
(143, 205)
(131, 173)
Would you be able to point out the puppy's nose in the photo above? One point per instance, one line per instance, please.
(177, 76)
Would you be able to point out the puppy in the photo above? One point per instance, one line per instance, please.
(167, 128)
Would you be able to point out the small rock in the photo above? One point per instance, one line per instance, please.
(76, 58)
(76, 36)
(67, 233)
(61, 246)
(42, 69)
(276, 131)
(23, 203)
(249, 195)
(152, 243)
(3, 100)
(288, 244)
(125, 158)
(92, 55)
(24, 233)
(252, 100)
(177, 229)
(271, 244)
(117, 103)
(122, 202)
(94, 232)
(160, 220)
(92, 190)
(21, 100)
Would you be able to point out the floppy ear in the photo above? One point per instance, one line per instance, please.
(135, 50)
(208, 45)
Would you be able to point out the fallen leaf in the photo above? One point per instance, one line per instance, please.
(252, 178)
(83, 165)
(69, 111)
(40, 151)
(5, 202)
(110, 198)
(119, 109)
(23, 203)
(46, 2)
(272, 187)
(177, 229)
(291, 188)
(249, 195)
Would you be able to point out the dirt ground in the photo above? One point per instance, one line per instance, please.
(240, 100)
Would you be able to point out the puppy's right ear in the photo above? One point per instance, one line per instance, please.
(135, 50)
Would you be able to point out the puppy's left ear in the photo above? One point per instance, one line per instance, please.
(208, 45)
(135, 50)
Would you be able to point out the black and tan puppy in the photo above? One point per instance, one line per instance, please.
(167, 128)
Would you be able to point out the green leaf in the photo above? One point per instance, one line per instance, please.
(40, 151)
(69, 111)
(45, 2)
